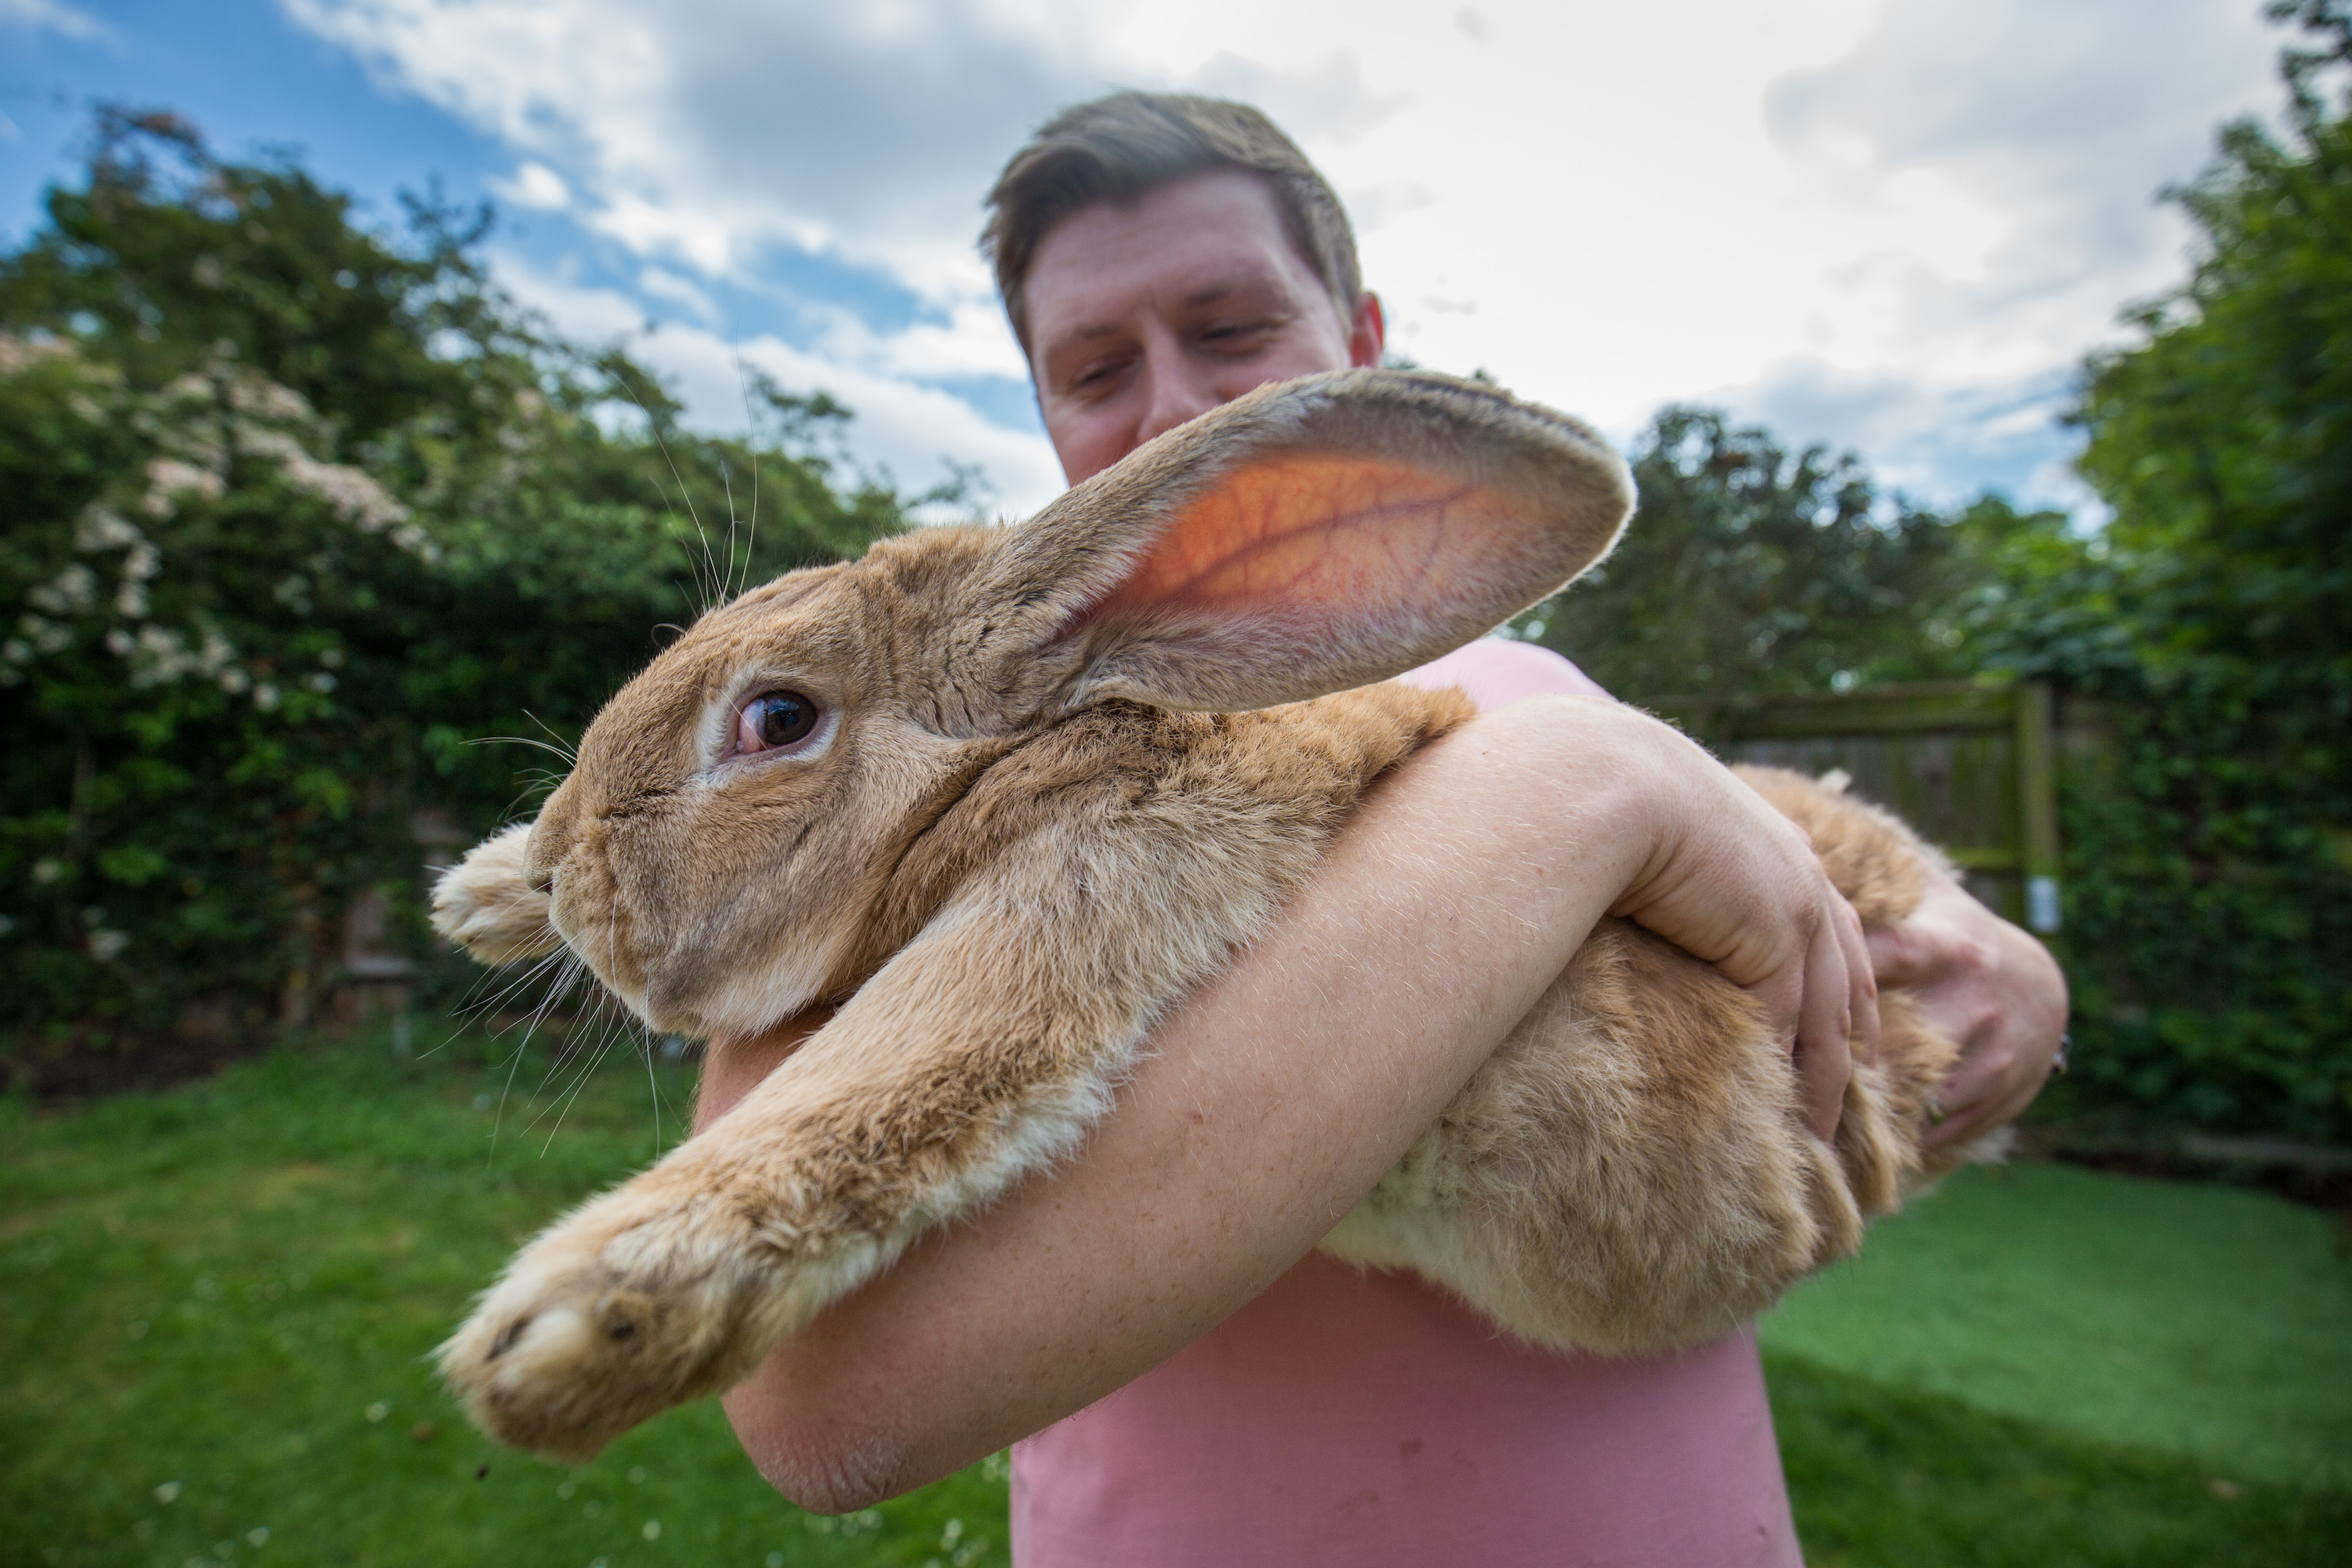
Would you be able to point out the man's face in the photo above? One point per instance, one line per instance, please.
(1143, 317)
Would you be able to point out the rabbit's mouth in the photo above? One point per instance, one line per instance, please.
(599, 944)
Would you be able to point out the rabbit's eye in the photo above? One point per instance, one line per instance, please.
(774, 720)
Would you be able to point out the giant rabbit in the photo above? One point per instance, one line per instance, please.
(1003, 794)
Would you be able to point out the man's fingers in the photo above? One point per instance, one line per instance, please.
(1989, 1088)
(1863, 1039)
(1983, 1117)
(1824, 1027)
(1898, 958)
(1988, 987)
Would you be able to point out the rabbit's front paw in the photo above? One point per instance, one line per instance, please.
(635, 1303)
(488, 904)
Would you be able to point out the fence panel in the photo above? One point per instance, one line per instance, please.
(1969, 763)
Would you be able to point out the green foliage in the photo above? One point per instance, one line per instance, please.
(1753, 570)
(291, 516)
(2210, 862)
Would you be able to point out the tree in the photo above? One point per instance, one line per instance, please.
(2212, 926)
(291, 514)
(1749, 569)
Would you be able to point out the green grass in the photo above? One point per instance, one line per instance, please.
(2210, 1323)
(216, 1304)
(1891, 1479)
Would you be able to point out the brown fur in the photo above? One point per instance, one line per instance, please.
(1071, 767)
(1631, 1170)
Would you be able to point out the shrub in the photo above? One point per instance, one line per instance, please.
(2211, 864)
(291, 516)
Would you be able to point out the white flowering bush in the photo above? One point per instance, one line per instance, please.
(200, 427)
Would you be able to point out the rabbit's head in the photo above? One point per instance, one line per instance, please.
(736, 811)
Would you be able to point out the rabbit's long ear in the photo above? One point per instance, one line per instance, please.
(1314, 535)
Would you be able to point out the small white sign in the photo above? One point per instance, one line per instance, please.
(2042, 903)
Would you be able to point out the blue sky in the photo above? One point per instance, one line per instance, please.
(1896, 227)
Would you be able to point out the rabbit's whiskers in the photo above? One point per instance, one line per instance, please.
(570, 760)
(565, 971)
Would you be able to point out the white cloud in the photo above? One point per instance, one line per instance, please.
(52, 17)
(537, 186)
(2047, 129)
(913, 432)
(663, 284)
(704, 133)
(1943, 201)
(973, 342)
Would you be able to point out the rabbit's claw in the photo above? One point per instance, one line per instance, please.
(612, 1316)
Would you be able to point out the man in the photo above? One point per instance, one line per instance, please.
(1160, 256)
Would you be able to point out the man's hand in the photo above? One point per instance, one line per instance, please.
(1727, 877)
(1735, 882)
(1985, 984)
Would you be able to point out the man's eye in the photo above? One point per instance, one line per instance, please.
(773, 720)
(1236, 335)
(1099, 376)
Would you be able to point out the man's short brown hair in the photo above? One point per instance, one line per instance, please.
(1121, 148)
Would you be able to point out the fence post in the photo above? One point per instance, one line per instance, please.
(2037, 782)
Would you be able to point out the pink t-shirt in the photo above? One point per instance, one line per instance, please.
(1369, 1419)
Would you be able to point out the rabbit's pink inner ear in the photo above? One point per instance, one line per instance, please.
(1326, 538)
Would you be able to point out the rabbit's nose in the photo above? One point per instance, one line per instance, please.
(537, 863)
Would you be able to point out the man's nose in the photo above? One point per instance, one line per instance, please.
(1175, 390)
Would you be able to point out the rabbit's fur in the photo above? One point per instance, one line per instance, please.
(1061, 772)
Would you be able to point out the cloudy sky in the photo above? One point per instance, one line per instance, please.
(1894, 225)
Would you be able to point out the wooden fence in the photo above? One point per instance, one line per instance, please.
(1970, 764)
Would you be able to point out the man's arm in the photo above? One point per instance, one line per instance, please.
(1983, 982)
(1277, 1095)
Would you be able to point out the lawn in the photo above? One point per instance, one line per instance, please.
(2211, 1322)
(2045, 1365)
(214, 1305)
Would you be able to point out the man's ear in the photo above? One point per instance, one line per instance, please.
(1312, 536)
(1368, 335)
